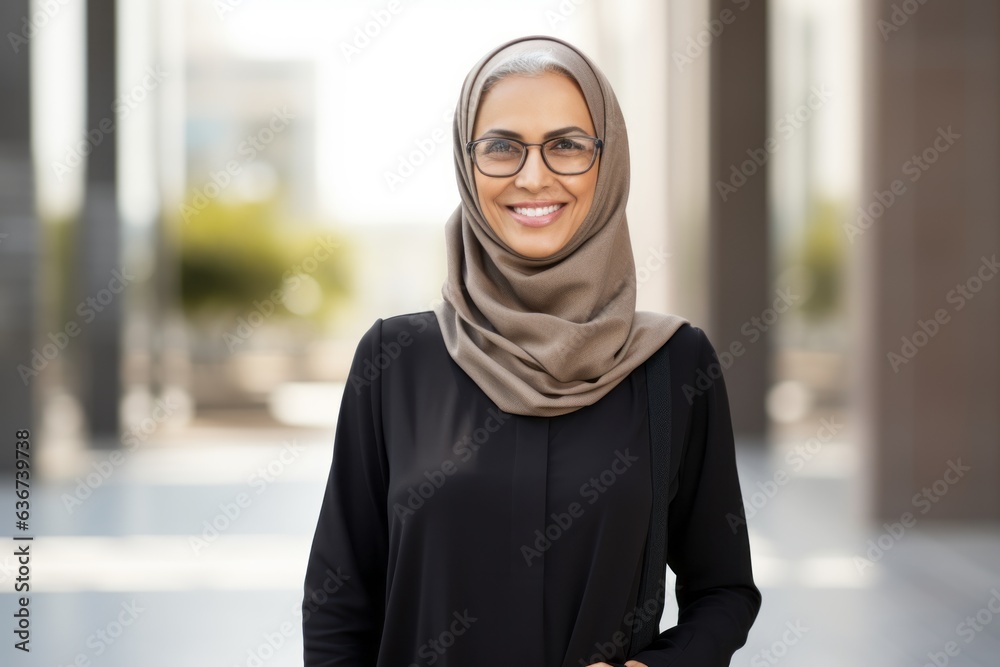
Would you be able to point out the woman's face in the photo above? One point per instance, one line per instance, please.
(527, 108)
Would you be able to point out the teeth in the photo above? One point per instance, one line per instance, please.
(537, 212)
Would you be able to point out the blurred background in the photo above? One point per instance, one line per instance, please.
(205, 203)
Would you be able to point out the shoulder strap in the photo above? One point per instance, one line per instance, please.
(655, 561)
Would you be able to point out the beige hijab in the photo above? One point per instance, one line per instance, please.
(547, 336)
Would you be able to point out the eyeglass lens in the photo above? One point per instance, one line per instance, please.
(563, 155)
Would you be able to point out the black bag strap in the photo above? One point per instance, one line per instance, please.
(655, 558)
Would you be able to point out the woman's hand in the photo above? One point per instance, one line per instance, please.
(630, 663)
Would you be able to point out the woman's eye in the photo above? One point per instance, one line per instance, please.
(566, 144)
(498, 147)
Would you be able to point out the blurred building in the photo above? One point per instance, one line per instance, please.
(820, 175)
(796, 157)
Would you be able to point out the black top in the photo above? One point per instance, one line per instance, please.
(454, 534)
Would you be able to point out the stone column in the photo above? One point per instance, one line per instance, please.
(926, 240)
(99, 248)
(738, 257)
(18, 233)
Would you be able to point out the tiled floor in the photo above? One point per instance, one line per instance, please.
(135, 574)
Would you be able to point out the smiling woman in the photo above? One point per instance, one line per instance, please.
(532, 207)
(497, 494)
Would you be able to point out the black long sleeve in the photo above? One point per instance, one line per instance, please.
(435, 497)
(343, 606)
(707, 542)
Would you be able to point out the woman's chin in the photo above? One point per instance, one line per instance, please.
(537, 248)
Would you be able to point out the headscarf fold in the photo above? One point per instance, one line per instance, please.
(547, 336)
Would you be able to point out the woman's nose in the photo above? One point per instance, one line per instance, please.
(534, 174)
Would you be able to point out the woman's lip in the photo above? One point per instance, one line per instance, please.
(537, 221)
(537, 203)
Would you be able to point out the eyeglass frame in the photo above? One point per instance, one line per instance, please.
(598, 149)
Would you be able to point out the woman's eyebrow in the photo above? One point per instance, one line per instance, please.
(548, 135)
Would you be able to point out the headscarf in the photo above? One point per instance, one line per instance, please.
(547, 336)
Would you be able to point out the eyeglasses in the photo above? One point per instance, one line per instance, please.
(567, 156)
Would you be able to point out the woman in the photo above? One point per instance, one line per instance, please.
(489, 498)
